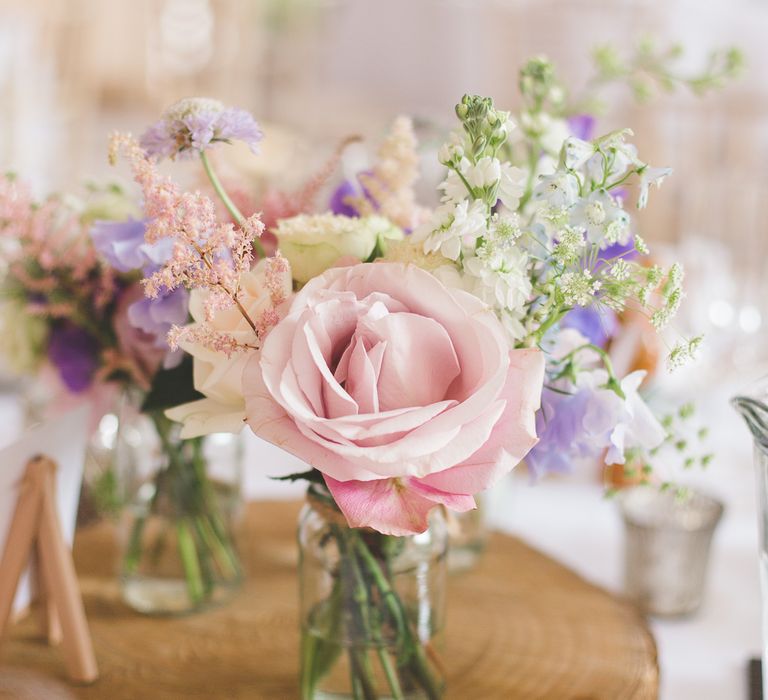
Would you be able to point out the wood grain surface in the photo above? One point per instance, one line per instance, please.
(519, 626)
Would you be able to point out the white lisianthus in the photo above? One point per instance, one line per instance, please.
(217, 375)
(313, 243)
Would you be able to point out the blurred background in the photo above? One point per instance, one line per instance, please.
(316, 71)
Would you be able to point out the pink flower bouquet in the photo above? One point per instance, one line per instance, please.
(402, 353)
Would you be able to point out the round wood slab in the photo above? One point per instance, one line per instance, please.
(518, 626)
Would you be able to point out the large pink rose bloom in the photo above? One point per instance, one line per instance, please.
(403, 393)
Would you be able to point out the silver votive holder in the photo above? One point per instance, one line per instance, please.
(666, 553)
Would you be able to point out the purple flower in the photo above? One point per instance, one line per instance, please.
(74, 353)
(156, 316)
(572, 426)
(122, 245)
(348, 188)
(338, 205)
(194, 124)
(590, 419)
(626, 250)
(582, 126)
(598, 326)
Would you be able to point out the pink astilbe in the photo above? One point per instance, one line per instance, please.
(388, 187)
(206, 253)
(49, 254)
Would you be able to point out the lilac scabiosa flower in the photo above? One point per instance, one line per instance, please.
(74, 353)
(191, 125)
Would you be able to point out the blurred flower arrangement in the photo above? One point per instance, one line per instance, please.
(411, 357)
(75, 317)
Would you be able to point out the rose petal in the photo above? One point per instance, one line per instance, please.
(391, 506)
(420, 362)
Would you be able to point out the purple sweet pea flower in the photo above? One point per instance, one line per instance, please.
(582, 126)
(598, 326)
(156, 316)
(120, 243)
(572, 426)
(194, 124)
(589, 420)
(74, 353)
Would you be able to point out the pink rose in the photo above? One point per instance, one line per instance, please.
(403, 393)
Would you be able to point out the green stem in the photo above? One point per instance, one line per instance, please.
(133, 552)
(190, 562)
(228, 203)
(417, 661)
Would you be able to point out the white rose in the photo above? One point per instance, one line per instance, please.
(216, 375)
(313, 243)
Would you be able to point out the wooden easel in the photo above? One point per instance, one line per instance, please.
(36, 531)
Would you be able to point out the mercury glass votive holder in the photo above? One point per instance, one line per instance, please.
(667, 545)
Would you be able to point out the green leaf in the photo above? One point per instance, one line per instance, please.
(312, 475)
(172, 387)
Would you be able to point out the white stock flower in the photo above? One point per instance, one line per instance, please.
(453, 187)
(458, 226)
(511, 185)
(485, 173)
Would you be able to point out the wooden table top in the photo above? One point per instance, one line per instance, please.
(519, 626)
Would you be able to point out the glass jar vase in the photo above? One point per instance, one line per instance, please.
(180, 496)
(372, 607)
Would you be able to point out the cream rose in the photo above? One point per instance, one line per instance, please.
(313, 243)
(217, 376)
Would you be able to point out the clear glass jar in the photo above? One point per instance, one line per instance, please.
(468, 535)
(180, 496)
(372, 607)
